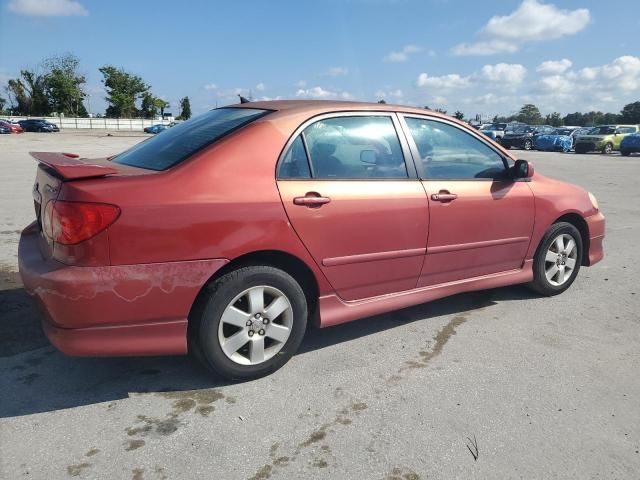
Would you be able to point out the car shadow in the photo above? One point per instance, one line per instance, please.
(35, 378)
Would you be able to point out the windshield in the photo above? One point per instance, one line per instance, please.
(174, 145)
(562, 131)
(520, 129)
(603, 131)
(496, 126)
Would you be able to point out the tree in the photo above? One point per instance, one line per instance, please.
(459, 115)
(440, 110)
(3, 102)
(630, 113)
(382, 101)
(28, 94)
(529, 114)
(64, 85)
(554, 119)
(185, 109)
(123, 91)
(160, 105)
(148, 107)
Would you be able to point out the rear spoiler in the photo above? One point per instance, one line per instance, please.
(70, 167)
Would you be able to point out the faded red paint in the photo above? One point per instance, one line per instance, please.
(129, 289)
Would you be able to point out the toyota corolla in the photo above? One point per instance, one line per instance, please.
(229, 233)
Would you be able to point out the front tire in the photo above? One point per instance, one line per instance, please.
(252, 321)
(557, 260)
(528, 144)
(625, 153)
(607, 149)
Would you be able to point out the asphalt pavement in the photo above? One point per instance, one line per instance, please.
(492, 384)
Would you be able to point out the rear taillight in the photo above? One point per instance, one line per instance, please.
(69, 223)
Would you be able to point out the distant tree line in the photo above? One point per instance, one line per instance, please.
(57, 87)
(530, 114)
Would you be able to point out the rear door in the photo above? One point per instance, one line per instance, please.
(480, 220)
(351, 192)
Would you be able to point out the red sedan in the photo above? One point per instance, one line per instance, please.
(228, 233)
(13, 127)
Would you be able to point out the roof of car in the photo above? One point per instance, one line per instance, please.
(321, 106)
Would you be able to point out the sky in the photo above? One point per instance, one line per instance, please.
(480, 57)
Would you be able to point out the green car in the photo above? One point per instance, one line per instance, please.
(605, 138)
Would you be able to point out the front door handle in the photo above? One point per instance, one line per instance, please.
(443, 196)
(311, 200)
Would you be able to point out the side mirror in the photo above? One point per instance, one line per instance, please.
(522, 169)
(369, 156)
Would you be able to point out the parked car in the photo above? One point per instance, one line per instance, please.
(157, 128)
(4, 130)
(13, 127)
(560, 140)
(604, 138)
(498, 130)
(630, 144)
(522, 136)
(36, 125)
(227, 234)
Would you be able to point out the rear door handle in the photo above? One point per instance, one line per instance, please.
(444, 197)
(311, 200)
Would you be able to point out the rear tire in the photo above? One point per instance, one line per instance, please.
(557, 260)
(528, 144)
(625, 153)
(233, 334)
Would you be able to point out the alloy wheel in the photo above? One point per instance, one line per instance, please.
(255, 325)
(560, 260)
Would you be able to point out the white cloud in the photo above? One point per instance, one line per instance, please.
(443, 82)
(404, 54)
(396, 94)
(489, 47)
(337, 72)
(556, 84)
(623, 73)
(509, 73)
(211, 86)
(532, 21)
(554, 67)
(260, 87)
(47, 8)
(301, 84)
(322, 93)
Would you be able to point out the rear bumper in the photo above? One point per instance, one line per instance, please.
(596, 225)
(113, 310)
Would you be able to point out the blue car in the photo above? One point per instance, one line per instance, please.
(630, 144)
(157, 128)
(560, 140)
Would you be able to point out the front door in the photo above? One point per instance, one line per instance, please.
(480, 220)
(356, 204)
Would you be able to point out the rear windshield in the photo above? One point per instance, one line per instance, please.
(175, 144)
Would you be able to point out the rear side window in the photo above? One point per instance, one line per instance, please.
(295, 163)
(360, 147)
(176, 144)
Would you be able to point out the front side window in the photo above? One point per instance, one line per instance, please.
(178, 143)
(447, 152)
(359, 147)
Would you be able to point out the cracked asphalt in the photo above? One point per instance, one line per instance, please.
(535, 387)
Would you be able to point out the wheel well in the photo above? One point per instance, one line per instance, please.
(273, 258)
(577, 221)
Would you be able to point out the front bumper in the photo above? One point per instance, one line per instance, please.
(589, 146)
(517, 142)
(112, 310)
(596, 226)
